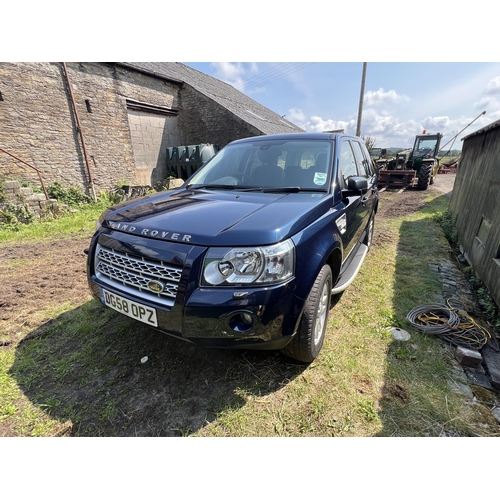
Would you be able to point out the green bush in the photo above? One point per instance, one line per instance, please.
(72, 196)
(486, 301)
(13, 215)
(447, 221)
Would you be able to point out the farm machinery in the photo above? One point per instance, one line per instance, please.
(417, 166)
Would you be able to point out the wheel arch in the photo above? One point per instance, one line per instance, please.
(328, 249)
(335, 262)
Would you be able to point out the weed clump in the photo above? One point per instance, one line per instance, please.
(447, 221)
(71, 196)
(486, 301)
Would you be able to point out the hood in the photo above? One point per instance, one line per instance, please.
(220, 218)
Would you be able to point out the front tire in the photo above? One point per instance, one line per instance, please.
(308, 341)
(424, 176)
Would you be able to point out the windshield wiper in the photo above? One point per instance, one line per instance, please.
(211, 186)
(269, 189)
(290, 189)
(223, 186)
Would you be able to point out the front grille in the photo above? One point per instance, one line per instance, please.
(132, 274)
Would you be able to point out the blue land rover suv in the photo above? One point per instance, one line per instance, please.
(249, 250)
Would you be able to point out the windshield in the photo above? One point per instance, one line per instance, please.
(270, 165)
(424, 146)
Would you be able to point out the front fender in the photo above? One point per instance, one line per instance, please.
(314, 245)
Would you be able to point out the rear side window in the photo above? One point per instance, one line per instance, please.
(366, 170)
(347, 161)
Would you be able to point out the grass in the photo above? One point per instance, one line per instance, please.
(78, 371)
(81, 221)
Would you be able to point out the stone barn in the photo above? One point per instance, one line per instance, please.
(104, 124)
(476, 204)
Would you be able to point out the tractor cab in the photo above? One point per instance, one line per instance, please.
(426, 146)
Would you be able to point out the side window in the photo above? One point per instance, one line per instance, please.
(366, 167)
(369, 162)
(347, 162)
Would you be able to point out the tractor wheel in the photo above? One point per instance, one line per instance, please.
(424, 176)
(434, 172)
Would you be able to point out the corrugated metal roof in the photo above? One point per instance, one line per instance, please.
(262, 118)
(483, 130)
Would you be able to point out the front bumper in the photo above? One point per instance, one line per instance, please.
(228, 317)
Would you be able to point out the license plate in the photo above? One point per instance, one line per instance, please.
(129, 308)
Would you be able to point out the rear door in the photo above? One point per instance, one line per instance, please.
(366, 170)
(356, 210)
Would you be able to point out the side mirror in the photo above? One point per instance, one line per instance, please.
(356, 186)
(383, 152)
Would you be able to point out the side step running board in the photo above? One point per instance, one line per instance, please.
(351, 272)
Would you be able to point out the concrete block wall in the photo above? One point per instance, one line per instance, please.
(151, 136)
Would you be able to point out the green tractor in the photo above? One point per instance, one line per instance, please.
(418, 166)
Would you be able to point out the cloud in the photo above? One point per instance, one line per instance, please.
(491, 99)
(484, 102)
(380, 96)
(233, 73)
(296, 116)
(318, 124)
(389, 131)
(493, 86)
(438, 123)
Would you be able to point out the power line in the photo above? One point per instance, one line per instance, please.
(275, 68)
(273, 74)
(278, 76)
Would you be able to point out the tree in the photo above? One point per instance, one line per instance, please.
(369, 142)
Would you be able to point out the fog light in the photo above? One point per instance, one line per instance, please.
(241, 322)
(247, 318)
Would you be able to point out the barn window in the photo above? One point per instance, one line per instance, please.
(150, 108)
(484, 231)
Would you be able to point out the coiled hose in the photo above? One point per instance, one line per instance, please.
(451, 323)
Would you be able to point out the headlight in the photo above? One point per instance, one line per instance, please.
(268, 264)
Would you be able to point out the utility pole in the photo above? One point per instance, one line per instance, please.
(361, 95)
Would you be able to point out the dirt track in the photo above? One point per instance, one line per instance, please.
(55, 274)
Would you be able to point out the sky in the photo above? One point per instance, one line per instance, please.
(400, 99)
(321, 47)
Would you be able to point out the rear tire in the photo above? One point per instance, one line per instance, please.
(308, 341)
(424, 176)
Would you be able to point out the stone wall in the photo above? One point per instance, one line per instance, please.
(38, 123)
(37, 203)
(125, 145)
